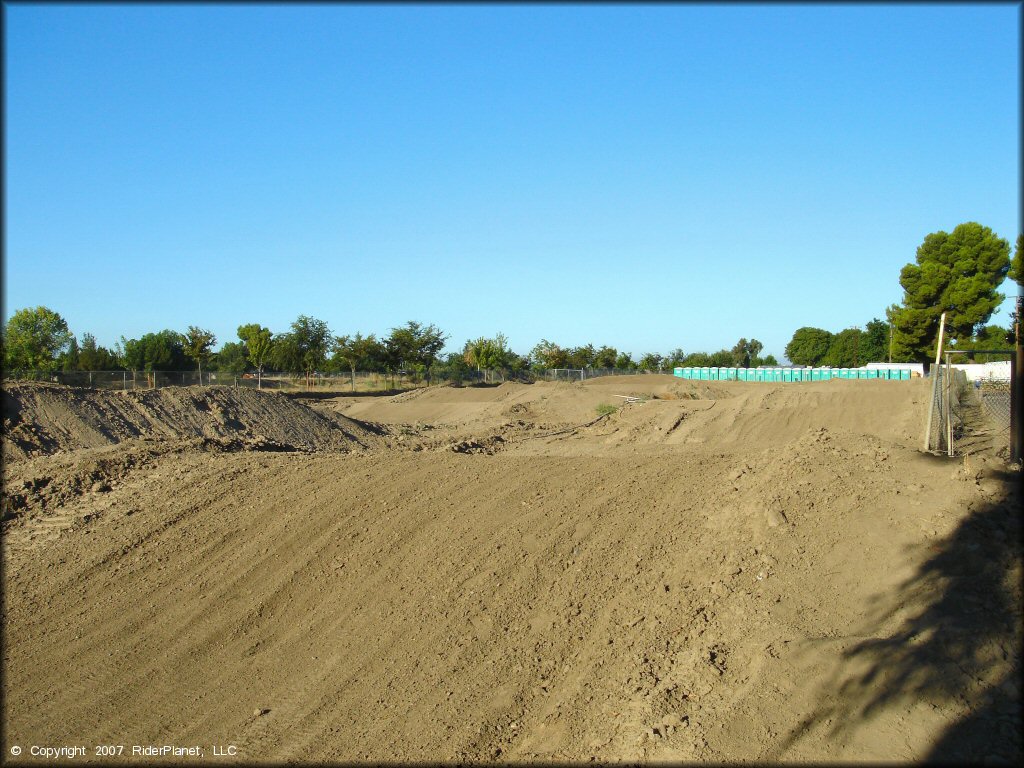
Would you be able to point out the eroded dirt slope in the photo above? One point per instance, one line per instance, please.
(42, 419)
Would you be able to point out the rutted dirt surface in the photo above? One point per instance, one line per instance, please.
(712, 572)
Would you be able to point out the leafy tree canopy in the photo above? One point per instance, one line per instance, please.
(809, 346)
(35, 339)
(547, 354)
(304, 348)
(1016, 272)
(359, 352)
(488, 354)
(92, 357)
(197, 343)
(745, 352)
(956, 273)
(163, 351)
(233, 357)
(652, 361)
(605, 357)
(259, 345)
(415, 344)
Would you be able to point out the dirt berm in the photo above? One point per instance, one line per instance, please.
(716, 572)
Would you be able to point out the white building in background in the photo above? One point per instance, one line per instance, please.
(999, 371)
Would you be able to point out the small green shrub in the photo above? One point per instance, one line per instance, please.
(606, 408)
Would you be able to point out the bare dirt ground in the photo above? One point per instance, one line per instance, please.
(713, 572)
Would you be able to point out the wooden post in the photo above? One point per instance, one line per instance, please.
(949, 407)
(935, 382)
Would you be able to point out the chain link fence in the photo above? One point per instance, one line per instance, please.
(946, 423)
(965, 413)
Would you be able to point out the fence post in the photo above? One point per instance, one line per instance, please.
(1017, 389)
(949, 407)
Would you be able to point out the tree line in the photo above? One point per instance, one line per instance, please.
(39, 339)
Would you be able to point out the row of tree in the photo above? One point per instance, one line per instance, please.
(39, 339)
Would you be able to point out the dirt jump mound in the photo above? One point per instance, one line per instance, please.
(42, 419)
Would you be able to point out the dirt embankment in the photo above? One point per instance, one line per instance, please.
(42, 419)
(713, 572)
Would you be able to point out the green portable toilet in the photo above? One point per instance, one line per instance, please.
(743, 374)
(904, 373)
(705, 373)
(713, 373)
(826, 374)
(732, 374)
(870, 374)
(815, 374)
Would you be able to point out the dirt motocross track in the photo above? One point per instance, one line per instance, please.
(713, 572)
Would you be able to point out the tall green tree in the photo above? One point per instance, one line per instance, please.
(35, 339)
(745, 351)
(259, 344)
(957, 273)
(232, 358)
(674, 358)
(582, 357)
(93, 357)
(809, 346)
(546, 354)
(844, 350)
(357, 352)
(69, 360)
(605, 357)
(304, 348)
(488, 354)
(874, 344)
(1016, 272)
(197, 343)
(624, 362)
(163, 351)
(415, 344)
(652, 361)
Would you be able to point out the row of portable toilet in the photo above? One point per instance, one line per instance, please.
(788, 374)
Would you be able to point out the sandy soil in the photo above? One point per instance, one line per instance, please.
(716, 571)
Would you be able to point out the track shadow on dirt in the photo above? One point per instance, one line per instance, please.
(951, 632)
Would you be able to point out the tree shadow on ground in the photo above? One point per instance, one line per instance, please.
(951, 635)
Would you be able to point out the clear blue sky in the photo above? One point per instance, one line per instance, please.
(647, 177)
